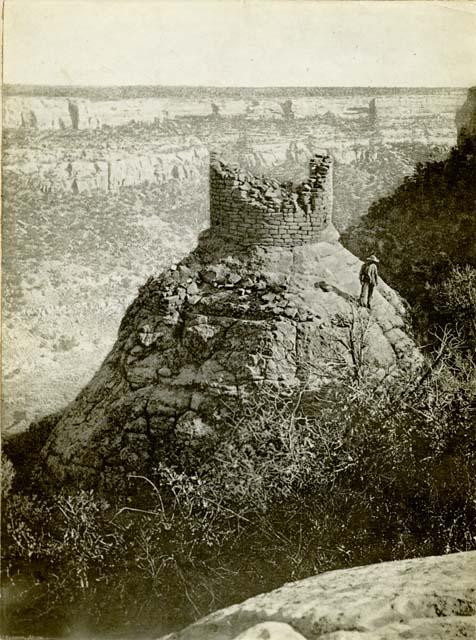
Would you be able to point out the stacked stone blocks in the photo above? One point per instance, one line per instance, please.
(257, 210)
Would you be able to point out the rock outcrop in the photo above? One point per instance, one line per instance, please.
(466, 119)
(423, 599)
(236, 311)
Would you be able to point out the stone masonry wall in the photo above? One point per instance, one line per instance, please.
(257, 210)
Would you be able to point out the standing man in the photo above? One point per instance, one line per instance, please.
(368, 280)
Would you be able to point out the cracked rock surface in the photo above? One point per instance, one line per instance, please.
(223, 317)
(421, 599)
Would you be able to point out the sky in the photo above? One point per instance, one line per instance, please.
(240, 42)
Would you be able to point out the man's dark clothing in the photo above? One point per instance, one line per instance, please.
(368, 279)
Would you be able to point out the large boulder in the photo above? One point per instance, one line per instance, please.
(430, 598)
(225, 317)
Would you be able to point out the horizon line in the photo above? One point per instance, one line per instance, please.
(212, 86)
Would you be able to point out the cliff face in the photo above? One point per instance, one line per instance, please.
(466, 119)
(62, 113)
(356, 130)
(230, 314)
(84, 171)
(388, 109)
(82, 113)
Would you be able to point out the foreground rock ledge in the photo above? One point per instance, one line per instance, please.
(425, 598)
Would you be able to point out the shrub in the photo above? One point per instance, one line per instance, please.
(8, 475)
(23, 449)
(454, 300)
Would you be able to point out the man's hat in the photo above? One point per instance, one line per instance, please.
(373, 258)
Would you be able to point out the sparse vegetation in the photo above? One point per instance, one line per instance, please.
(454, 303)
(297, 482)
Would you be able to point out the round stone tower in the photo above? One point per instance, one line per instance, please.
(251, 210)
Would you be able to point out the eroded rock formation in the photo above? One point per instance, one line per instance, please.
(53, 112)
(466, 119)
(430, 598)
(83, 171)
(63, 113)
(240, 309)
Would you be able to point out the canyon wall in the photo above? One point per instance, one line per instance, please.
(78, 172)
(62, 113)
(44, 112)
(65, 113)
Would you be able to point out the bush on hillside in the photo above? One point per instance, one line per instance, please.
(8, 475)
(23, 449)
(454, 300)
